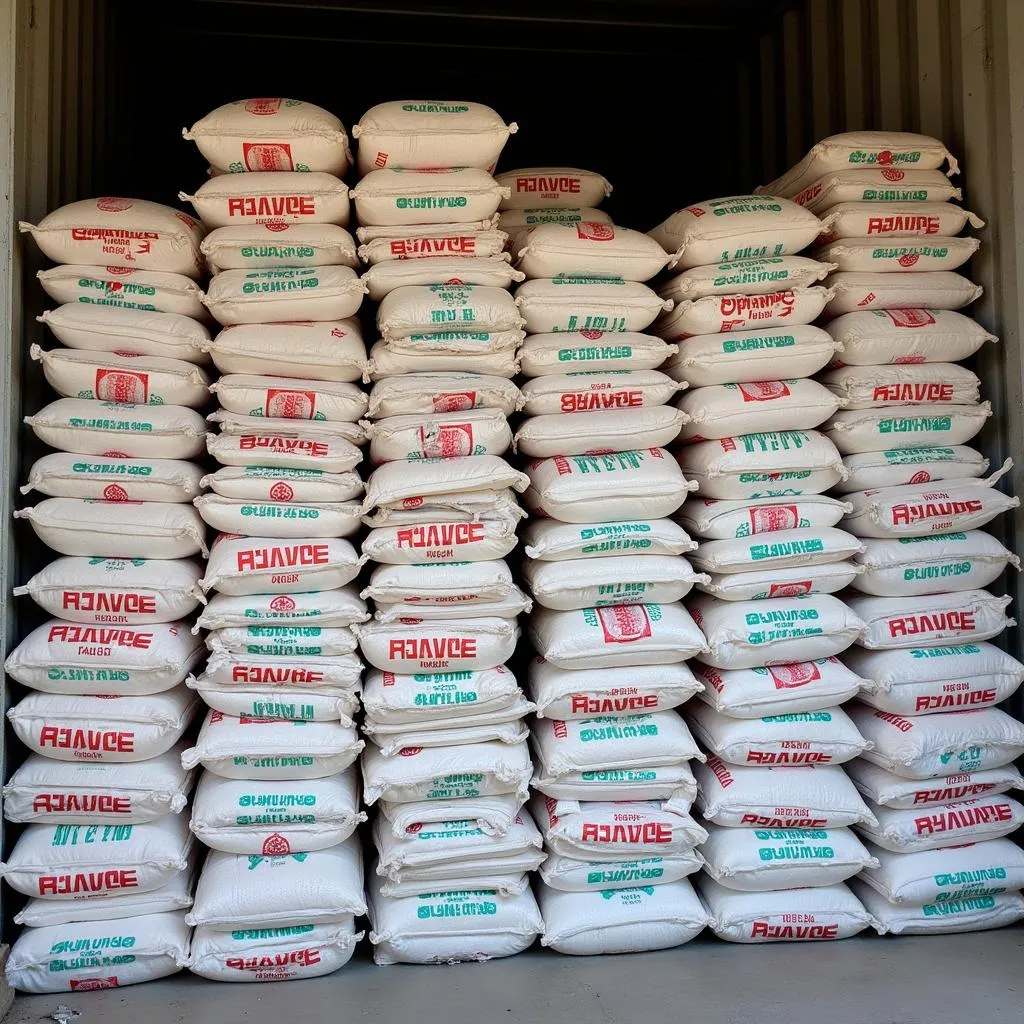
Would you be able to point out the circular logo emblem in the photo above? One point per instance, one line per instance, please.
(592, 335)
(284, 603)
(116, 455)
(120, 271)
(263, 107)
(275, 225)
(113, 204)
(412, 502)
(909, 259)
(921, 477)
(276, 846)
(885, 157)
(410, 751)
(416, 826)
(115, 492)
(454, 280)
(281, 492)
(595, 232)
(891, 174)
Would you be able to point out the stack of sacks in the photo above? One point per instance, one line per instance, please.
(551, 195)
(107, 856)
(448, 762)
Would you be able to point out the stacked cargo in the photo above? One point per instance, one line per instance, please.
(448, 764)
(613, 781)
(278, 802)
(107, 858)
(938, 766)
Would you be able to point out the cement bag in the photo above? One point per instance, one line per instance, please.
(454, 583)
(863, 148)
(408, 481)
(289, 398)
(780, 462)
(142, 380)
(910, 566)
(284, 641)
(336, 677)
(622, 634)
(935, 289)
(274, 954)
(116, 529)
(284, 294)
(595, 432)
(604, 831)
(58, 861)
(806, 546)
(553, 188)
(945, 825)
(391, 699)
(445, 774)
(462, 241)
(930, 426)
(130, 661)
(930, 746)
(589, 249)
(974, 871)
(901, 466)
(452, 926)
(933, 621)
(439, 436)
(971, 914)
(550, 541)
(388, 195)
(290, 520)
(264, 818)
(439, 542)
(599, 488)
(430, 133)
(87, 427)
(340, 607)
(579, 351)
(672, 784)
(877, 185)
(412, 611)
(712, 519)
(233, 423)
(889, 790)
(724, 410)
(453, 307)
(120, 232)
(753, 692)
(266, 565)
(321, 452)
(279, 890)
(597, 390)
(736, 228)
(317, 351)
(719, 314)
(128, 331)
(570, 874)
(927, 508)
(436, 645)
(899, 254)
(744, 276)
(515, 221)
(793, 738)
(796, 581)
(928, 679)
(569, 695)
(272, 749)
(775, 631)
(127, 287)
(267, 483)
(274, 197)
(870, 220)
(477, 505)
(788, 915)
(478, 347)
(873, 387)
(367, 233)
(442, 392)
(132, 592)
(51, 959)
(490, 271)
(766, 859)
(905, 336)
(753, 355)
(494, 815)
(50, 792)
(631, 741)
(621, 920)
(586, 583)
(125, 729)
(267, 247)
(385, 362)
(808, 796)
(572, 303)
(271, 135)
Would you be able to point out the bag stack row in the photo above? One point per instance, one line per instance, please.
(939, 765)
(106, 853)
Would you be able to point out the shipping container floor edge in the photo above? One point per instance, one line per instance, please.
(939, 979)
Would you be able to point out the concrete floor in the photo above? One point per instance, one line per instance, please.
(955, 979)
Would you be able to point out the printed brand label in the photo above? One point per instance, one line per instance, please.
(622, 624)
(126, 387)
(788, 677)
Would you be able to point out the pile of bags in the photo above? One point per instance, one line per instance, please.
(106, 858)
(447, 764)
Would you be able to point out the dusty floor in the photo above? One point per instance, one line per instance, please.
(956, 979)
